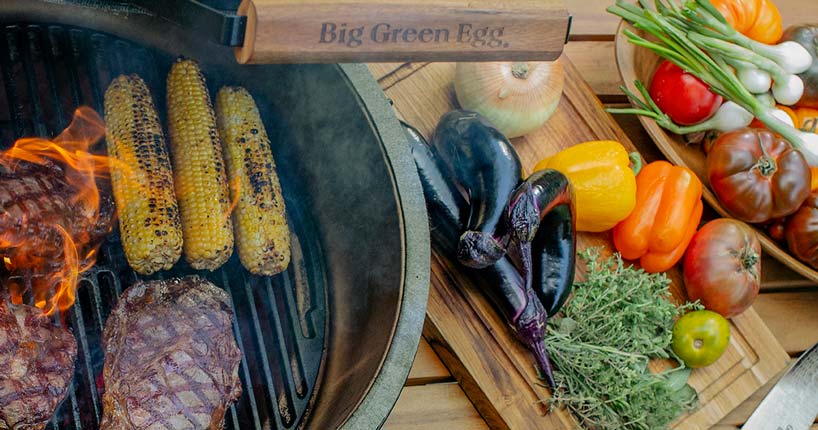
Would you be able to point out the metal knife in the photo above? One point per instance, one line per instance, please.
(792, 404)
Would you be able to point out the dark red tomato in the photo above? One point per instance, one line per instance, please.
(682, 96)
(757, 175)
(722, 266)
(801, 231)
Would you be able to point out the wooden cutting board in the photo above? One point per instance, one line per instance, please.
(497, 372)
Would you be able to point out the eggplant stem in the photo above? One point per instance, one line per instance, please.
(544, 363)
(524, 248)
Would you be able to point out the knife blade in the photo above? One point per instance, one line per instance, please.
(792, 404)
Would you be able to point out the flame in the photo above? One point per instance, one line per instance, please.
(53, 283)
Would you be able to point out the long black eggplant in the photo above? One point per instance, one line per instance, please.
(542, 224)
(481, 161)
(501, 281)
(553, 253)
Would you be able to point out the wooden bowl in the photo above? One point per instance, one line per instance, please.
(635, 62)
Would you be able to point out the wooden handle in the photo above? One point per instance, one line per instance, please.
(327, 31)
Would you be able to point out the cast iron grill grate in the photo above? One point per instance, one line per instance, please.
(49, 70)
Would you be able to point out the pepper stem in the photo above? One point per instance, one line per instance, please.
(636, 161)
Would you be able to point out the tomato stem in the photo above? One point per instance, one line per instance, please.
(766, 164)
(749, 259)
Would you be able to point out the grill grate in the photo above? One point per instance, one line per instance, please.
(49, 70)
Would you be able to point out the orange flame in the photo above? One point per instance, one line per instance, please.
(54, 283)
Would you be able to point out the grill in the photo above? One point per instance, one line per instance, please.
(47, 71)
(327, 344)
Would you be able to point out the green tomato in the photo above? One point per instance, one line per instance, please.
(700, 338)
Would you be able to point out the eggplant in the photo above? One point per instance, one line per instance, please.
(542, 226)
(435, 185)
(481, 161)
(501, 282)
(553, 253)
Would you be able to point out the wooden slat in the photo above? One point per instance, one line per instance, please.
(792, 317)
(594, 61)
(434, 407)
(495, 370)
(591, 21)
(427, 368)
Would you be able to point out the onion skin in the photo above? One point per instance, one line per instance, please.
(517, 98)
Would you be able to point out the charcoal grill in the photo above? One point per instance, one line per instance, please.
(326, 344)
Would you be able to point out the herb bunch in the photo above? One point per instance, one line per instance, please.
(618, 319)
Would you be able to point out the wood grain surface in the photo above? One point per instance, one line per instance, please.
(402, 30)
(495, 370)
(788, 301)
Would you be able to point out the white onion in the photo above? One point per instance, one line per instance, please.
(789, 90)
(782, 116)
(517, 98)
(791, 56)
(809, 149)
(754, 79)
(729, 117)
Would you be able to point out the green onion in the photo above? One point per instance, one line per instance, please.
(695, 37)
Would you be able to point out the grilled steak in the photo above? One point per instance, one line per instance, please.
(37, 366)
(171, 361)
(34, 199)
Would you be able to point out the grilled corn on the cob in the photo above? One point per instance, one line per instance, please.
(259, 220)
(141, 177)
(199, 173)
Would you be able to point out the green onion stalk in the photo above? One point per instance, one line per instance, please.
(695, 37)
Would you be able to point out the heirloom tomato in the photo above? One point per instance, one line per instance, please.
(722, 266)
(801, 231)
(757, 175)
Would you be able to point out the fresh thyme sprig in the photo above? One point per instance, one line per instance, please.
(618, 320)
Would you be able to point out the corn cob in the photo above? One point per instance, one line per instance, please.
(259, 220)
(141, 177)
(199, 174)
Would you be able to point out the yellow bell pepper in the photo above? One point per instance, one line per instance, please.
(604, 184)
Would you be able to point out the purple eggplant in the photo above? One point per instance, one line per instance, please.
(501, 282)
(553, 254)
(542, 226)
(482, 162)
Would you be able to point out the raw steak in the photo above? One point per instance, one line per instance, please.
(171, 361)
(37, 366)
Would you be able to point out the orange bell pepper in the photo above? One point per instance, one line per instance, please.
(667, 212)
(757, 19)
(806, 119)
(813, 183)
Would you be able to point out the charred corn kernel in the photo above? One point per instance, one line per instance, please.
(198, 169)
(259, 220)
(141, 177)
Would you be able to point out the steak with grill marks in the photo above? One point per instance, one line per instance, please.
(171, 361)
(34, 199)
(37, 366)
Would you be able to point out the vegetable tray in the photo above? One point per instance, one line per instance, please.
(635, 62)
(494, 369)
